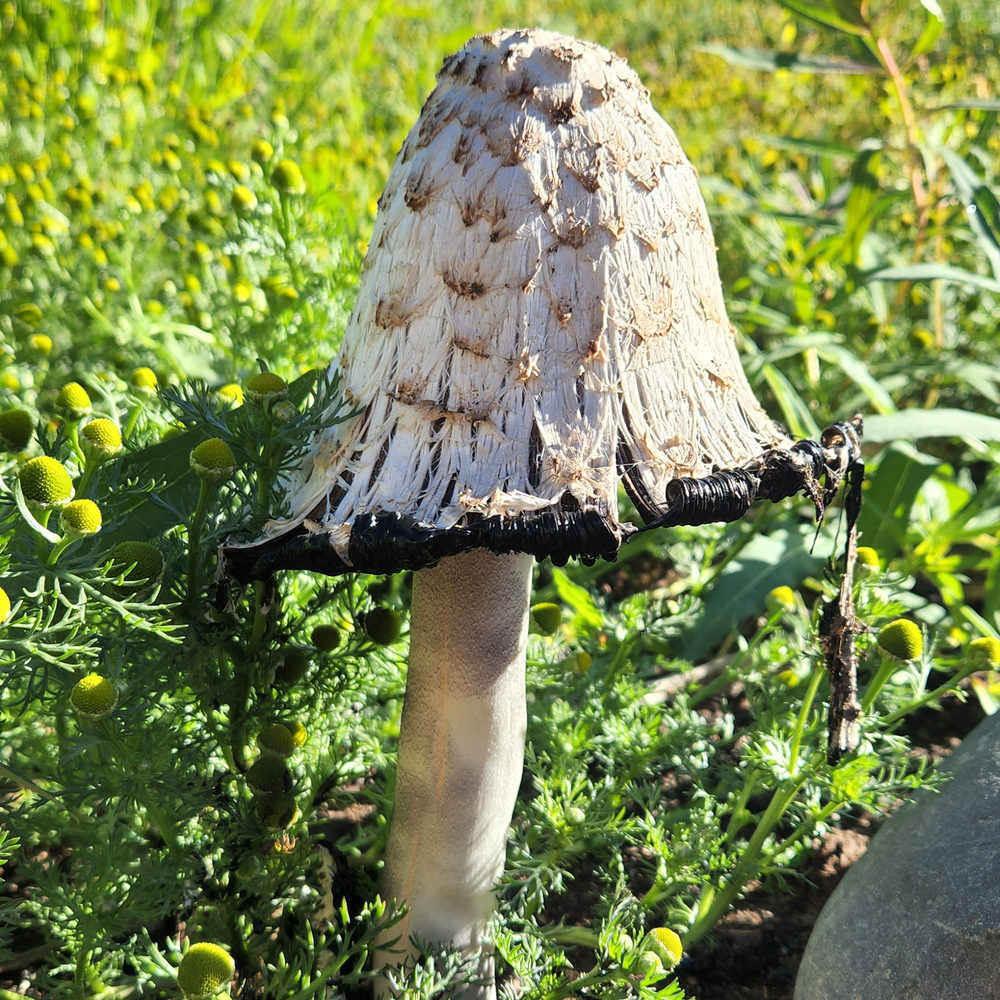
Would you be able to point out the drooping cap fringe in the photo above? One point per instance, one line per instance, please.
(539, 317)
(390, 543)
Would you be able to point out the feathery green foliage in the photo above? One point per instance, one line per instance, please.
(188, 188)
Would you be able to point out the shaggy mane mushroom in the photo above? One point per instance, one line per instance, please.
(539, 318)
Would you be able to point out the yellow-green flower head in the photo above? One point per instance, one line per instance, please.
(575, 816)
(867, 564)
(29, 313)
(382, 625)
(985, 653)
(213, 461)
(901, 639)
(140, 562)
(243, 200)
(45, 483)
(101, 440)
(16, 427)
(262, 151)
(5, 609)
(665, 945)
(143, 382)
(266, 388)
(546, 618)
(277, 740)
(74, 401)
(80, 518)
(788, 677)
(291, 667)
(287, 177)
(239, 170)
(278, 811)
(269, 774)
(231, 394)
(780, 599)
(94, 697)
(40, 342)
(325, 637)
(172, 431)
(204, 970)
(299, 733)
(579, 662)
(283, 411)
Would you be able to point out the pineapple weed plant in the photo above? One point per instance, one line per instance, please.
(196, 794)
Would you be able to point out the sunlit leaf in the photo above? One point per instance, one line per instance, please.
(914, 424)
(578, 599)
(981, 206)
(794, 409)
(768, 60)
(890, 496)
(854, 368)
(862, 198)
(932, 272)
(932, 30)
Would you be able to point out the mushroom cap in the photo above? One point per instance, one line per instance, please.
(539, 317)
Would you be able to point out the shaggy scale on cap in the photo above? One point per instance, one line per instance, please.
(539, 316)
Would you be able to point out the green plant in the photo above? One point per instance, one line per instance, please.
(154, 243)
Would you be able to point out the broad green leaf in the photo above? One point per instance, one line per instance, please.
(981, 206)
(931, 272)
(793, 408)
(769, 60)
(756, 313)
(931, 32)
(914, 424)
(889, 497)
(862, 199)
(980, 624)
(985, 133)
(578, 599)
(780, 558)
(978, 514)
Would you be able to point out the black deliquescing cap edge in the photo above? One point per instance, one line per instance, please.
(389, 543)
(386, 543)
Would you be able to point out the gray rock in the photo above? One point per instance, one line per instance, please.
(918, 917)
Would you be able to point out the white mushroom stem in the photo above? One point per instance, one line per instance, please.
(461, 754)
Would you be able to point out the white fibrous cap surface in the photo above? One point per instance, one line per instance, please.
(540, 312)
